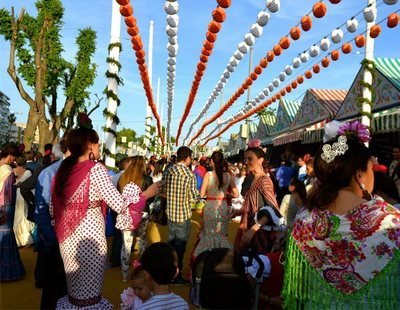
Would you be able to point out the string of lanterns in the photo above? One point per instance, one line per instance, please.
(214, 27)
(256, 30)
(346, 48)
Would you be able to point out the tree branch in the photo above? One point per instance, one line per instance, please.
(96, 106)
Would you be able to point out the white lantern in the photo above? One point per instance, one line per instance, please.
(337, 35)
(221, 85)
(314, 51)
(171, 32)
(213, 97)
(173, 20)
(263, 18)
(256, 30)
(171, 74)
(172, 61)
(257, 100)
(173, 40)
(171, 68)
(233, 61)
(238, 55)
(288, 70)
(223, 79)
(282, 76)
(304, 56)
(171, 8)
(261, 95)
(271, 87)
(173, 49)
(249, 39)
(253, 103)
(369, 14)
(325, 44)
(230, 68)
(275, 82)
(273, 5)
(266, 92)
(227, 74)
(352, 25)
(390, 2)
(296, 62)
(243, 48)
(170, 80)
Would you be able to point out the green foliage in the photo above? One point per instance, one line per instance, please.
(129, 134)
(265, 112)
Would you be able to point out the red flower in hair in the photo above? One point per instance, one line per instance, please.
(84, 120)
(254, 143)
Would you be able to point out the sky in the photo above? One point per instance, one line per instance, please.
(194, 17)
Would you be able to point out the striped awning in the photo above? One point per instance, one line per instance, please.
(287, 138)
(390, 68)
(331, 99)
(291, 108)
(386, 123)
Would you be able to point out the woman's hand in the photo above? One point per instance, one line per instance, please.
(248, 235)
(153, 189)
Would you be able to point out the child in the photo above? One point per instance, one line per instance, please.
(160, 262)
(138, 293)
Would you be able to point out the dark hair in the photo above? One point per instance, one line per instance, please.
(158, 167)
(300, 189)
(77, 143)
(9, 149)
(219, 163)
(21, 161)
(29, 155)
(137, 273)
(338, 173)
(160, 261)
(257, 151)
(183, 153)
(48, 147)
(124, 163)
(63, 145)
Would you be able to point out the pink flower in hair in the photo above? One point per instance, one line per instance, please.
(355, 127)
(136, 263)
(254, 143)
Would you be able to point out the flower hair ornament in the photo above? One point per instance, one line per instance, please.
(255, 143)
(344, 130)
(136, 264)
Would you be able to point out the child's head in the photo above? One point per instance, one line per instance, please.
(160, 261)
(139, 284)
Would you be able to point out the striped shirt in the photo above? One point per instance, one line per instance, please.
(164, 302)
(180, 189)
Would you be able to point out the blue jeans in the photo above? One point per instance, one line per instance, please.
(178, 235)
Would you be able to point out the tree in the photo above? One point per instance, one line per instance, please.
(11, 120)
(130, 136)
(35, 42)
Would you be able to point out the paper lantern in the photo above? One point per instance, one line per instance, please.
(171, 74)
(211, 37)
(295, 33)
(171, 32)
(325, 62)
(249, 39)
(263, 18)
(316, 68)
(271, 87)
(233, 61)
(390, 2)
(375, 31)
(277, 50)
(171, 61)
(224, 3)
(261, 95)
(227, 74)
(278, 96)
(263, 63)
(258, 69)
(308, 74)
(270, 56)
(199, 72)
(273, 99)
(173, 21)
(214, 27)
(335, 55)
(201, 66)
(352, 25)
(126, 10)
(170, 80)
(304, 56)
(273, 5)
(208, 45)
(257, 100)
(337, 35)
(140, 61)
(219, 15)
(284, 43)
(123, 2)
(249, 81)
(359, 41)
(230, 68)
(325, 44)
(282, 92)
(238, 55)
(300, 79)
(306, 23)
(288, 70)
(140, 54)
(319, 9)
(245, 86)
(334, 1)
(346, 48)
(203, 58)
(142, 68)
(393, 20)
(282, 76)
(130, 21)
(275, 82)
(137, 46)
(369, 14)
(256, 30)
(171, 8)
(223, 79)
(314, 51)
(243, 48)
(254, 76)
(173, 49)
(133, 31)
(294, 84)
(221, 85)
(266, 92)
(296, 62)
(288, 89)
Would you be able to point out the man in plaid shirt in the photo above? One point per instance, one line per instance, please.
(180, 189)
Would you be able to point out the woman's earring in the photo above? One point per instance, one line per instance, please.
(91, 156)
(366, 195)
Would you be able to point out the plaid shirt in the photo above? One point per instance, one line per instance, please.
(180, 190)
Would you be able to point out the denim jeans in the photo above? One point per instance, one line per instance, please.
(178, 235)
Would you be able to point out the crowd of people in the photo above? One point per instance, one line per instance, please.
(322, 233)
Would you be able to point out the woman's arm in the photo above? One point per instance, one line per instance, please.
(235, 192)
(267, 191)
(204, 186)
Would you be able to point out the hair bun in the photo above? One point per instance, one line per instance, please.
(84, 121)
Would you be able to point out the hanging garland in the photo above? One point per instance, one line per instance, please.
(369, 66)
(214, 27)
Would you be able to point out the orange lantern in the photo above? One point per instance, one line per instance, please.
(138, 46)
(258, 69)
(219, 15)
(214, 27)
(199, 73)
(393, 20)
(130, 21)
(244, 86)
(270, 56)
(295, 33)
(375, 31)
(360, 41)
(316, 68)
(300, 79)
(335, 55)
(294, 84)
(140, 54)
(254, 76)
(241, 91)
(126, 10)
(201, 66)
(319, 9)
(249, 81)
(325, 62)
(278, 96)
(264, 63)
(277, 50)
(334, 1)
(133, 31)
(123, 2)
(140, 61)
(306, 23)
(288, 88)
(346, 48)
(197, 78)
(208, 45)
(308, 74)
(142, 68)
(284, 43)
(206, 52)
(273, 98)
(203, 58)
(224, 3)
(211, 37)
(283, 92)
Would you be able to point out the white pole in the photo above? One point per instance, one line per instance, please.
(367, 76)
(158, 109)
(112, 83)
(149, 118)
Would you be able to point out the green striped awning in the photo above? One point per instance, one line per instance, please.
(386, 123)
(291, 108)
(390, 68)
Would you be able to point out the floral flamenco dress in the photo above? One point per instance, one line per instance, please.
(349, 261)
(216, 218)
(80, 228)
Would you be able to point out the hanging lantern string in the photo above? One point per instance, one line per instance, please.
(275, 97)
(214, 27)
(126, 11)
(230, 103)
(256, 31)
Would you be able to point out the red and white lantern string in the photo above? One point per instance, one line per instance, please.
(374, 32)
(250, 39)
(214, 27)
(126, 11)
